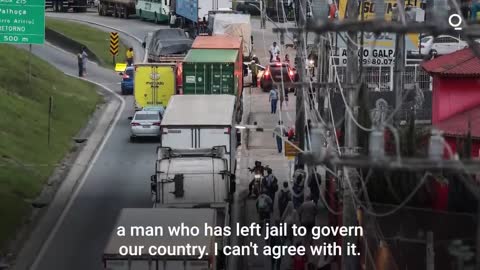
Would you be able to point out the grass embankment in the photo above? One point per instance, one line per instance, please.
(25, 157)
(96, 40)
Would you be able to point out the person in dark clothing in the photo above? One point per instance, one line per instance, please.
(314, 182)
(270, 184)
(276, 241)
(284, 197)
(80, 65)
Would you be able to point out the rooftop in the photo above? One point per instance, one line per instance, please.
(462, 63)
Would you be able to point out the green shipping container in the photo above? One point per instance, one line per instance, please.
(211, 72)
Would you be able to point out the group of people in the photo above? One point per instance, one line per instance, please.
(294, 208)
(82, 58)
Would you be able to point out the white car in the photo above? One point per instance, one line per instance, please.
(145, 124)
(441, 45)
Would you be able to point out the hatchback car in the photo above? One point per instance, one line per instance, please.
(127, 81)
(440, 45)
(276, 73)
(145, 124)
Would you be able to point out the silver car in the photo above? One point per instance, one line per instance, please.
(145, 124)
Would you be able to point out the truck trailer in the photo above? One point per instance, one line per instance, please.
(116, 8)
(214, 72)
(201, 121)
(194, 11)
(162, 218)
(235, 25)
(66, 5)
(154, 84)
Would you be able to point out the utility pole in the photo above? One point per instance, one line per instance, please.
(399, 64)
(300, 61)
(350, 174)
(262, 15)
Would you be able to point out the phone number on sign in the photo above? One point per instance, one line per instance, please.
(373, 61)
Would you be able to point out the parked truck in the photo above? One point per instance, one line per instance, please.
(235, 25)
(116, 8)
(201, 121)
(214, 72)
(163, 217)
(66, 5)
(154, 84)
(193, 11)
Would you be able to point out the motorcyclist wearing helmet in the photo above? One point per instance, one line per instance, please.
(258, 168)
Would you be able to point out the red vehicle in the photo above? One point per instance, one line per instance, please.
(276, 72)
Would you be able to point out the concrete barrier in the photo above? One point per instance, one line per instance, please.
(68, 44)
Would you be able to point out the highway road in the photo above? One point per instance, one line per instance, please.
(120, 176)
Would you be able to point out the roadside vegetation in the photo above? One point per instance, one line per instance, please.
(96, 40)
(26, 160)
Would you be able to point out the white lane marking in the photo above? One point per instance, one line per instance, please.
(65, 211)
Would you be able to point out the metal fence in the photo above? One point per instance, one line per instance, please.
(380, 77)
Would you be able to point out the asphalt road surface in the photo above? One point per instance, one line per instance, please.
(120, 176)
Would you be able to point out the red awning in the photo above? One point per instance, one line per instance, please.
(462, 63)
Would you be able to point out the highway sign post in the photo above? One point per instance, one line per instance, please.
(22, 21)
(114, 43)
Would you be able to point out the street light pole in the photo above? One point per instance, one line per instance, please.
(262, 15)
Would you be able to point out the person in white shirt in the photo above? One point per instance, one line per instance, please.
(274, 51)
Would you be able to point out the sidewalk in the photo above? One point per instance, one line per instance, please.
(262, 147)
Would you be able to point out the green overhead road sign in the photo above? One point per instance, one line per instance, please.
(22, 21)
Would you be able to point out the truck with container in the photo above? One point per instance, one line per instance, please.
(235, 25)
(191, 12)
(141, 219)
(201, 121)
(214, 72)
(222, 42)
(66, 5)
(154, 84)
(116, 8)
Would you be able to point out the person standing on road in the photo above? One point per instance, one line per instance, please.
(264, 207)
(290, 218)
(273, 99)
(270, 184)
(254, 70)
(84, 60)
(307, 213)
(285, 94)
(80, 64)
(278, 133)
(297, 190)
(284, 198)
(274, 51)
(130, 56)
(173, 20)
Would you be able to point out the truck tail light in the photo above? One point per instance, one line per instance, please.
(267, 73)
(134, 124)
(290, 72)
